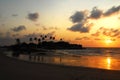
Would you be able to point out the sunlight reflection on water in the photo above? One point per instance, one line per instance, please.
(95, 61)
(108, 61)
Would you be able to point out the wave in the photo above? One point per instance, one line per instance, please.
(115, 52)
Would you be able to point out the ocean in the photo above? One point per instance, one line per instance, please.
(103, 58)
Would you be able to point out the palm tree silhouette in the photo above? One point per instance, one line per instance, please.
(53, 38)
(50, 37)
(39, 41)
(45, 36)
(35, 39)
(18, 41)
(61, 39)
(31, 40)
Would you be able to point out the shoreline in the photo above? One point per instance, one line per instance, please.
(14, 69)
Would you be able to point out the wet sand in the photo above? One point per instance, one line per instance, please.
(13, 69)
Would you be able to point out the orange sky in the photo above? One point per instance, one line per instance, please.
(76, 21)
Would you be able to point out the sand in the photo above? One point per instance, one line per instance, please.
(13, 69)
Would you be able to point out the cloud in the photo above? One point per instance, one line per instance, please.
(51, 33)
(81, 20)
(14, 15)
(111, 32)
(107, 32)
(39, 34)
(33, 16)
(44, 28)
(96, 13)
(78, 38)
(32, 35)
(49, 28)
(79, 28)
(113, 39)
(112, 11)
(79, 16)
(55, 28)
(97, 39)
(96, 34)
(83, 38)
(19, 28)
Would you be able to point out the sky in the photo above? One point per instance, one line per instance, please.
(92, 23)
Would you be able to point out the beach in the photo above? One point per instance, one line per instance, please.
(14, 69)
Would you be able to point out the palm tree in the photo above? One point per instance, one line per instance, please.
(39, 41)
(18, 41)
(31, 40)
(35, 39)
(53, 38)
(45, 36)
(61, 39)
(42, 38)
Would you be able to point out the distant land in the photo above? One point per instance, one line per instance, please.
(38, 45)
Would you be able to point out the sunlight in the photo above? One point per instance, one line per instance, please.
(108, 41)
(108, 61)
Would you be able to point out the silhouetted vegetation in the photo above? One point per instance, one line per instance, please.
(38, 44)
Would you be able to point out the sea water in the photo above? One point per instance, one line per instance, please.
(103, 58)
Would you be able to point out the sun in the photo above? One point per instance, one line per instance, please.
(108, 41)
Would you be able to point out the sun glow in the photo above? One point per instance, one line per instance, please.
(108, 41)
(108, 61)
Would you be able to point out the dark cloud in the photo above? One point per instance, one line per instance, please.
(33, 16)
(111, 32)
(79, 16)
(79, 28)
(107, 32)
(19, 28)
(82, 23)
(96, 13)
(112, 10)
